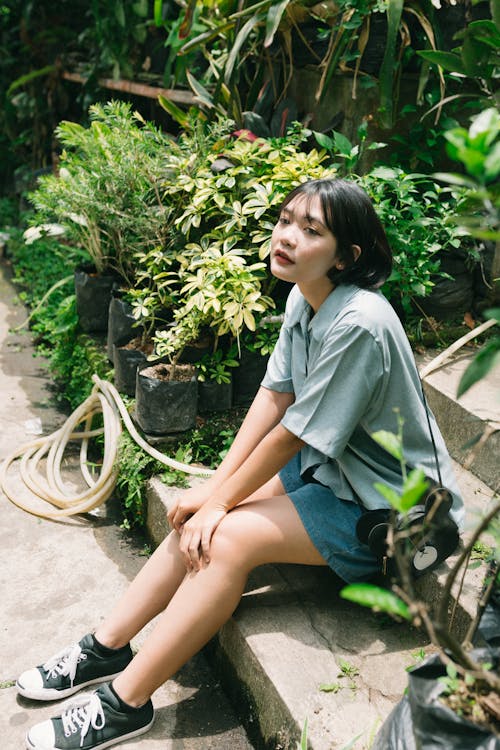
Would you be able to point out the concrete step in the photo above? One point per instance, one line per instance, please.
(293, 634)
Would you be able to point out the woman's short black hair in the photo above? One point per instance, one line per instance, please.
(350, 216)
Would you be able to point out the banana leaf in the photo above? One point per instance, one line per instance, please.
(388, 67)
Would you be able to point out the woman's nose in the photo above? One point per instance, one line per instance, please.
(288, 235)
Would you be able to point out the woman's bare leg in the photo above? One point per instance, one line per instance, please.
(154, 586)
(253, 533)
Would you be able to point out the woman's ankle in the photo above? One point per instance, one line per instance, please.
(108, 640)
(129, 698)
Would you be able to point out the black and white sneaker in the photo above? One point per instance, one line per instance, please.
(75, 667)
(91, 722)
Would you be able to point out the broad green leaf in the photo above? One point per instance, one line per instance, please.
(390, 442)
(482, 363)
(492, 162)
(28, 77)
(157, 12)
(413, 488)
(200, 91)
(274, 16)
(174, 111)
(493, 313)
(206, 36)
(390, 495)
(385, 173)
(377, 598)
(342, 143)
(447, 60)
(455, 179)
(120, 14)
(486, 125)
(238, 43)
(324, 140)
(389, 63)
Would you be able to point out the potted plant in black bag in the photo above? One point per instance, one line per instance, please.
(108, 196)
(215, 385)
(166, 390)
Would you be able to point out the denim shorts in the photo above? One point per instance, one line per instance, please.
(331, 525)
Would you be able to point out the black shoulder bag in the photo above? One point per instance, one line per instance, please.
(426, 535)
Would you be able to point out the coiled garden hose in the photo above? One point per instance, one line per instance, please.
(50, 487)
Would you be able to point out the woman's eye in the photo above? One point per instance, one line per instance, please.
(311, 230)
(283, 220)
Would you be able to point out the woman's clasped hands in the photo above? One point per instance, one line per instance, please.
(195, 517)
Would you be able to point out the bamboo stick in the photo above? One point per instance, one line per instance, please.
(132, 87)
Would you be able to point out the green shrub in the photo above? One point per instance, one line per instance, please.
(72, 356)
(135, 467)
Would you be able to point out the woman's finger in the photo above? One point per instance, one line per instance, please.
(171, 514)
(194, 551)
(206, 538)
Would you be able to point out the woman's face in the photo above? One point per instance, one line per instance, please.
(303, 249)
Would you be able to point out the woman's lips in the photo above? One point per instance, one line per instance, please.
(282, 258)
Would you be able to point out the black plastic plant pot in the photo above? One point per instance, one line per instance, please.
(166, 407)
(93, 295)
(121, 326)
(213, 396)
(248, 377)
(126, 362)
(421, 720)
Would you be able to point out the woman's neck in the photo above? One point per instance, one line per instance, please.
(316, 292)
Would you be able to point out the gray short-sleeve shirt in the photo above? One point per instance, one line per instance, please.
(351, 367)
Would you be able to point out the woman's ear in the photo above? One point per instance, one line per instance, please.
(356, 252)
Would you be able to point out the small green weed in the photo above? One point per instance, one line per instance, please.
(302, 745)
(330, 687)
(481, 551)
(418, 657)
(348, 671)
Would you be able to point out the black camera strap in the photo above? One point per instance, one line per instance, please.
(433, 441)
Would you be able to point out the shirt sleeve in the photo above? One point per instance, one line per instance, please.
(343, 384)
(278, 375)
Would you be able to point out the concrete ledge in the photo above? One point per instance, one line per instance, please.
(470, 424)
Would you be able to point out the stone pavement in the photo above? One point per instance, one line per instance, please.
(58, 579)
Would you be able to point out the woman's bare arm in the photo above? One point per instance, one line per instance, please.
(265, 413)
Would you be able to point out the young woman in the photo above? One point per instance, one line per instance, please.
(297, 478)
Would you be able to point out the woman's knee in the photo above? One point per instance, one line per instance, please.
(243, 538)
(231, 544)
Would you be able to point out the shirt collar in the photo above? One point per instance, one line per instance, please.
(331, 307)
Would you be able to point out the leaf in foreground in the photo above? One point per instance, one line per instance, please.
(376, 598)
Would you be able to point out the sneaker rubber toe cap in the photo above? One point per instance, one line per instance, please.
(30, 681)
(41, 737)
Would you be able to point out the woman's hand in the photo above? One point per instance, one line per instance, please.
(196, 535)
(186, 505)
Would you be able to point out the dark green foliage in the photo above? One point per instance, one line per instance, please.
(73, 357)
(209, 442)
(135, 467)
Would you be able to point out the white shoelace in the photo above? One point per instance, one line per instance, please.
(81, 714)
(65, 662)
